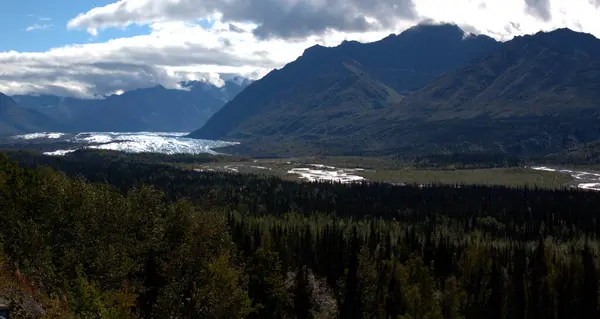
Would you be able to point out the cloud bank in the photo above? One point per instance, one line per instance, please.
(202, 39)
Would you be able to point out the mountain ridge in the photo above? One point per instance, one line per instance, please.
(498, 100)
(283, 88)
(146, 109)
(533, 96)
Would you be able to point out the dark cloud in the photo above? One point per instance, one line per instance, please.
(303, 18)
(226, 42)
(234, 28)
(595, 3)
(515, 25)
(261, 53)
(539, 9)
(275, 18)
(300, 23)
(469, 29)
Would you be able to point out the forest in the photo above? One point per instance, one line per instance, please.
(92, 236)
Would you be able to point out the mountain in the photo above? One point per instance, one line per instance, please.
(15, 119)
(314, 97)
(536, 94)
(61, 109)
(148, 109)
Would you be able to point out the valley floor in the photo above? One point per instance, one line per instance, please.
(344, 170)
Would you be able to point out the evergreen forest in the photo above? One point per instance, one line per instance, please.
(93, 236)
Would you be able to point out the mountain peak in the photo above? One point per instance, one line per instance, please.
(5, 99)
(562, 40)
(317, 48)
(428, 28)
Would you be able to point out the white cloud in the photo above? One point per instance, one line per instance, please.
(40, 27)
(39, 18)
(251, 37)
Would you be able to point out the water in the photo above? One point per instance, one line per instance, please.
(584, 180)
(134, 142)
(324, 173)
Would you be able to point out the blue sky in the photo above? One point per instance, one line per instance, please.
(17, 15)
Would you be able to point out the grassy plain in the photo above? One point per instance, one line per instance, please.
(514, 176)
(386, 170)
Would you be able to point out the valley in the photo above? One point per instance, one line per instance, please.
(311, 169)
(385, 169)
(434, 173)
(199, 157)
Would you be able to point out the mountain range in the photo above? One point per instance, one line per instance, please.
(432, 88)
(148, 109)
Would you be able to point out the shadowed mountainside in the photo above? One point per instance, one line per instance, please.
(15, 119)
(326, 88)
(535, 94)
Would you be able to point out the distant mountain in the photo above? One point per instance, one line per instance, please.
(61, 109)
(149, 109)
(535, 94)
(15, 119)
(316, 96)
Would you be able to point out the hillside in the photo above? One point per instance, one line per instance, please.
(533, 95)
(324, 89)
(148, 109)
(537, 94)
(16, 119)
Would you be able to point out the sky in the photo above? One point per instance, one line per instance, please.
(94, 48)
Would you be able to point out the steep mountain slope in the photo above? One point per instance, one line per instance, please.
(537, 94)
(16, 119)
(310, 109)
(531, 75)
(150, 109)
(319, 93)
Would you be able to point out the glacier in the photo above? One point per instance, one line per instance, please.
(131, 142)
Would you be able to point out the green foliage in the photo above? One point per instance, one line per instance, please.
(103, 250)
(246, 246)
(439, 270)
(267, 287)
